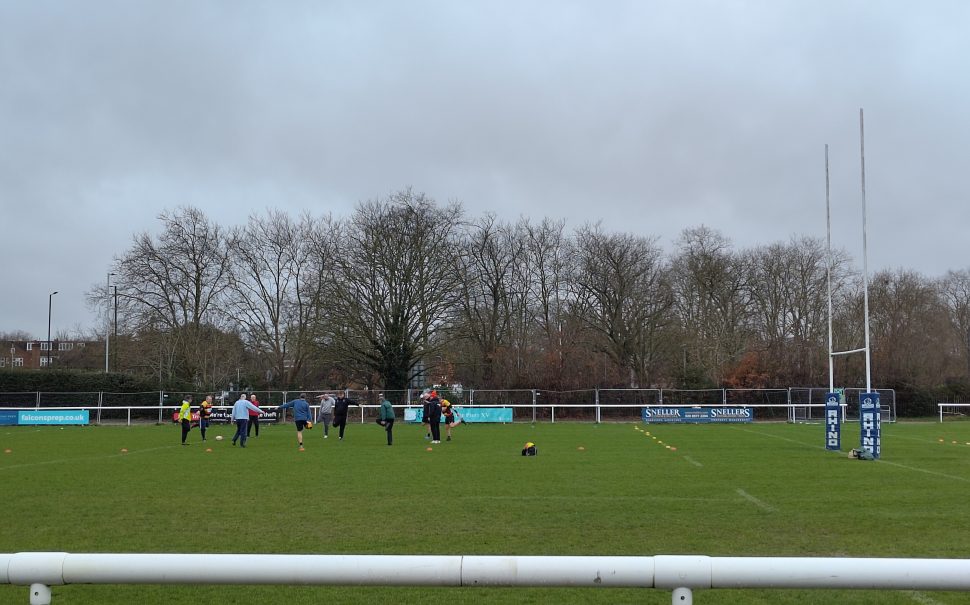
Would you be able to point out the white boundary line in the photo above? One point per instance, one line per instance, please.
(692, 461)
(68, 460)
(757, 502)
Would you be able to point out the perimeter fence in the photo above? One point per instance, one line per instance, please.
(794, 404)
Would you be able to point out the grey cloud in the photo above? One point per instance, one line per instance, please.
(652, 117)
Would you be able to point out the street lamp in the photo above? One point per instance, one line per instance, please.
(107, 323)
(50, 345)
(115, 325)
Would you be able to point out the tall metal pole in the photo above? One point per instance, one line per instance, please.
(865, 252)
(828, 268)
(115, 325)
(107, 323)
(50, 345)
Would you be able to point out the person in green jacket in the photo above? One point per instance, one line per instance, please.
(387, 417)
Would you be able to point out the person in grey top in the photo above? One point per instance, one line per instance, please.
(240, 415)
(325, 413)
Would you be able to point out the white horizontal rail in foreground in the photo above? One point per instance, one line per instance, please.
(40, 570)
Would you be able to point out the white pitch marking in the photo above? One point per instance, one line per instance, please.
(762, 505)
(923, 470)
(692, 461)
(923, 599)
(65, 461)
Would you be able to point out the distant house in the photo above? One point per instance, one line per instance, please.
(37, 354)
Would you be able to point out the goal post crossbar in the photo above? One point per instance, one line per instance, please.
(859, 350)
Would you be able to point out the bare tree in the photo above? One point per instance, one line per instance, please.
(276, 290)
(396, 285)
(955, 292)
(788, 286)
(711, 297)
(488, 258)
(908, 326)
(173, 284)
(549, 261)
(622, 294)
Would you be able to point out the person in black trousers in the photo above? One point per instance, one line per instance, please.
(253, 417)
(386, 418)
(340, 413)
(433, 414)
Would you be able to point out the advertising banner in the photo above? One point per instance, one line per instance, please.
(833, 429)
(224, 415)
(698, 415)
(62, 417)
(8, 417)
(503, 415)
(870, 421)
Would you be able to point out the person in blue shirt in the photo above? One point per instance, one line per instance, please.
(240, 415)
(301, 415)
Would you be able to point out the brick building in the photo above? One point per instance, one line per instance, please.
(37, 354)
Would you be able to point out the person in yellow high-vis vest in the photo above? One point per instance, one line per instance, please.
(185, 417)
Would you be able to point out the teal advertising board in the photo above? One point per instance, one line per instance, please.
(503, 415)
(57, 417)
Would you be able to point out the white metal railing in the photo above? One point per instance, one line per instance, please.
(666, 396)
(678, 573)
(961, 408)
(524, 412)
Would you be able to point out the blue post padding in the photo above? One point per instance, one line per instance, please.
(833, 428)
(870, 424)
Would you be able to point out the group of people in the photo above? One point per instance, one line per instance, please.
(332, 412)
(432, 412)
(245, 415)
(242, 411)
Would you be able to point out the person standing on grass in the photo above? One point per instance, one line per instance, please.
(301, 415)
(253, 417)
(205, 410)
(448, 411)
(185, 417)
(340, 413)
(240, 415)
(325, 413)
(387, 417)
(426, 414)
(433, 407)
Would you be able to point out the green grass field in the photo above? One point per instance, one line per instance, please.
(726, 490)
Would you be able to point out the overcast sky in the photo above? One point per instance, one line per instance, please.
(650, 116)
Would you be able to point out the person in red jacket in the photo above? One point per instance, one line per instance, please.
(253, 417)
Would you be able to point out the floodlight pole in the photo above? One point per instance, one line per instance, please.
(50, 304)
(115, 326)
(107, 323)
